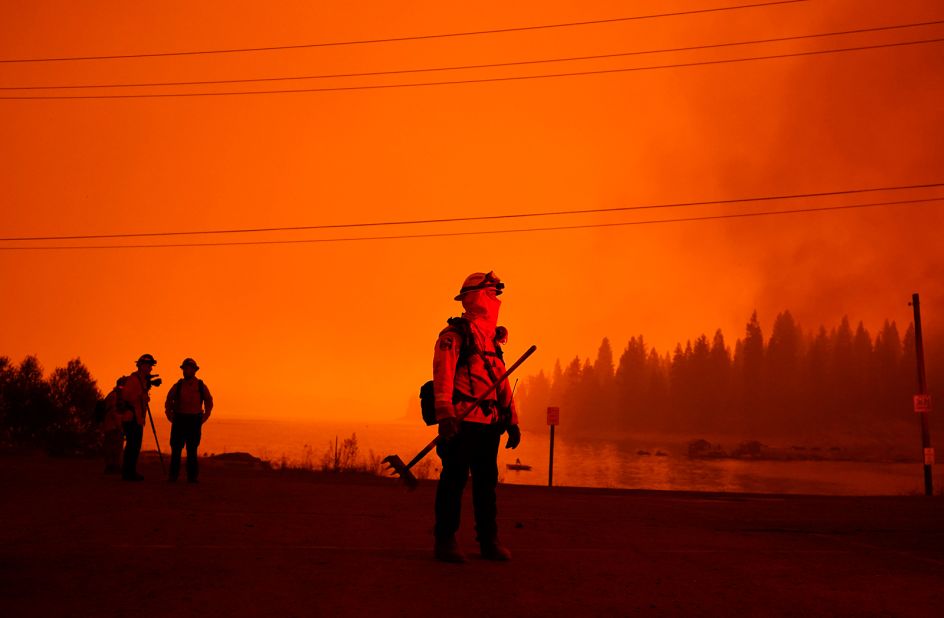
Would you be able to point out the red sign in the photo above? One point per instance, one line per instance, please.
(922, 403)
(553, 416)
(929, 456)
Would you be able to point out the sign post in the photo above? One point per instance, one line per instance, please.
(922, 401)
(553, 419)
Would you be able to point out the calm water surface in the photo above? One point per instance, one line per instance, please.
(575, 463)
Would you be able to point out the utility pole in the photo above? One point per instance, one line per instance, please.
(922, 401)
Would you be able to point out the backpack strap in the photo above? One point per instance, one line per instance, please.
(179, 386)
(467, 347)
(478, 350)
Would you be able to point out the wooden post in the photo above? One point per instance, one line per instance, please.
(553, 418)
(550, 467)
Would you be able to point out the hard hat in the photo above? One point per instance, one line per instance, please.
(481, 281)
(189, 361)
(146, 359)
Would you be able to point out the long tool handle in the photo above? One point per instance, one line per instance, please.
(156, 441)
(432, 444)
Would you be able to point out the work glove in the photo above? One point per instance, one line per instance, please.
(448, 428)
(514, 437)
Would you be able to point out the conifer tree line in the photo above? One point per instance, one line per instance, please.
(56, 413)
(838, 381)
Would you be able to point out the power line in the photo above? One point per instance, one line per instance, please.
(473, 81)
(478, 66)
(483, 232)
(408, 38)
(299, 228)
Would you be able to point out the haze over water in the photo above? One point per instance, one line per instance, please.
(577, 463)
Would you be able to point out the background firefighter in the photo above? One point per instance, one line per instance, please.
(188, 406)
(466, 360)
(112, 436)
(135, 398)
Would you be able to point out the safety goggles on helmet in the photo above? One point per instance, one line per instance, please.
(479, 281)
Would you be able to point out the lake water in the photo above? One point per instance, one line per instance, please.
(575, 463)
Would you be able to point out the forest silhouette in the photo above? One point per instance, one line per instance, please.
(826, 384)
(56, 413)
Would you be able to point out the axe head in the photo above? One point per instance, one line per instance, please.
(398, 468)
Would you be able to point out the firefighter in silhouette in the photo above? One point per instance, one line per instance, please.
(135, 398)
(188, 406)
(466, 361)
(113, 440)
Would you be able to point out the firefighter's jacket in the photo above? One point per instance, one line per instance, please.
(456, 385)
(135, 396)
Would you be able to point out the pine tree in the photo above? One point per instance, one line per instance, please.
(783, 362)
(751, 378)
(601, 395)
(631, 382)
(719, 380)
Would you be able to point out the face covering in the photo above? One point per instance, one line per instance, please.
(482, 309)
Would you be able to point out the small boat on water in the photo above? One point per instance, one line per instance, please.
(518, 465)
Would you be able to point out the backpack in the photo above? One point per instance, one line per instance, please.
(103, 407)
(428, 403)
(463, 328)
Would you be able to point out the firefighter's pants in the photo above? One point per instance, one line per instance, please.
(185, 431)
(134, 435)
(474, 449)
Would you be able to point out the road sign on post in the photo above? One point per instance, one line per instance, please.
(553, 416)
(553, 419)
(922, 403)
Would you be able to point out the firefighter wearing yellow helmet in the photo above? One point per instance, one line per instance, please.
(467, 359)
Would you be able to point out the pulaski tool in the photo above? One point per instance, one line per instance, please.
(396, 465)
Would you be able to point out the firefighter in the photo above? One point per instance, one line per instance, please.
(113, 440)
(188, 406)
(466, 361)
(135, 397)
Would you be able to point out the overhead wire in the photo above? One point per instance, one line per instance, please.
(470, 81)
(480, 232)
(475, 80)
(401, 39)
(550, 213)
(492, 65)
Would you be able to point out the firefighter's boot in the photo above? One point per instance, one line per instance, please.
(447, 550)
(492, 549)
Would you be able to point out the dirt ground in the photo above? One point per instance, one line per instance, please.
(252, 542)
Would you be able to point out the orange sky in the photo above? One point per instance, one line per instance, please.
(345, 330)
